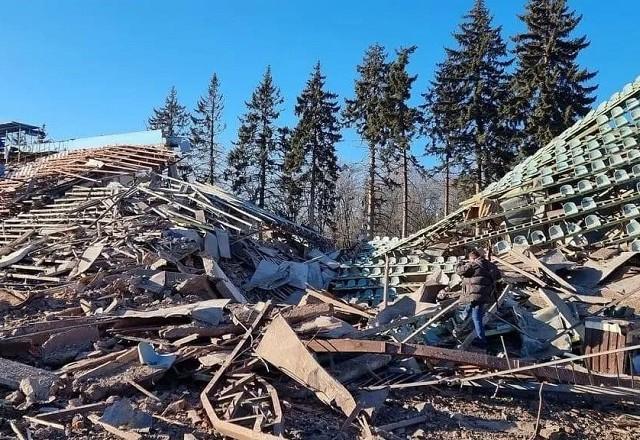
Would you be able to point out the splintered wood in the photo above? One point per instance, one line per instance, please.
(136, 304)
(228, 390)
(281, 347)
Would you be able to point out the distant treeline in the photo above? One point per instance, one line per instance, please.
(484, 109)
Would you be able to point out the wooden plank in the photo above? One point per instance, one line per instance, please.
(38, 421)
(522, 272)
(276, 425)
(66, 412)
(17, 255)
(225, 427)
(223, 283)
(89, 256)
(16, 430)
(393, 324)
(385, 282)
(143, 390)
(338, 304)
(403, 423)
(567, 315)
(623, 381)
(546, 370)
(531, 259)
(281, 347)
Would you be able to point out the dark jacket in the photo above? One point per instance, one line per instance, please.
(478, 281)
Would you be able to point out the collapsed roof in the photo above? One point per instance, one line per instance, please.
(108, 204)
(580, 190)
(104, 249)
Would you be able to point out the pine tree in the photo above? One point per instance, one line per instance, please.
(253, 164)
(440, 112)
(550, 89)
(172, 118)
(291, 186)
(402, 121)
(206, 125)
(365, 113)
(313, 145)
(467, 101)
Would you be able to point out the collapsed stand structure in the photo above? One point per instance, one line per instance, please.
(138, 304)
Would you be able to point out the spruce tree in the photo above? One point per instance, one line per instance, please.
(172, 118)
(402, 122)
(550, 90)
(365, 113)
(206, 126)
(313, 147)
(291, 185)
(440, 112)
(467, 101)
(253, 164)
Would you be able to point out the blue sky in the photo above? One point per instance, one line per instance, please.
(98, 67)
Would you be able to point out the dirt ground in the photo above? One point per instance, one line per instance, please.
(460, 415)
(450, 414)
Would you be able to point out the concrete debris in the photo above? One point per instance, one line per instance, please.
(63, 347)
(208, 316)
(122, 414)
(37, 389)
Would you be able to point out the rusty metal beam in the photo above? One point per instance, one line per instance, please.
(554, 372)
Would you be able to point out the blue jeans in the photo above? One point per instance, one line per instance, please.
(477, 313)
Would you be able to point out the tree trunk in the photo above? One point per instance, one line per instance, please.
(405, 192)
(446, 183)
(263, 179)
(211, 153)
(478, 169)
(371, 192)
(312, 191)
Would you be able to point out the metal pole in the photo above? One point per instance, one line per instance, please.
(385, 289)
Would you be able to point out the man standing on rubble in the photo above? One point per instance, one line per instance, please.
(479, 277)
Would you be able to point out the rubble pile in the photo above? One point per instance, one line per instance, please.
(136, 304)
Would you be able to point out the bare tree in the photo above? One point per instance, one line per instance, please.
(350, 218)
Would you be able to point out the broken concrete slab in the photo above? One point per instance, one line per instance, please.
(12, 374)
(37, 388)
(211, 246)
(223, 284)
(63, 347)
(123, 414)
(224, 249)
